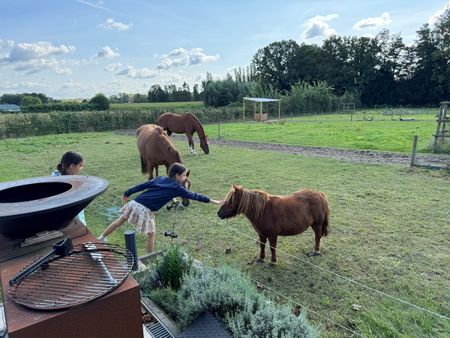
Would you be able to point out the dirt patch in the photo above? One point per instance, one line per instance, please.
(433, 161)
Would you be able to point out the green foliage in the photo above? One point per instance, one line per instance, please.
(168, 270)
(307, 98)
(100, 102)
(223, 92)
(231, 295)
(30, 100)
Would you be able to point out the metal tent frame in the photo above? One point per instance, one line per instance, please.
(260, 100)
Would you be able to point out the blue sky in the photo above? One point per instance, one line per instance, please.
(77, 48)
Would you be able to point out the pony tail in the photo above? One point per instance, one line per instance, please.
(325, 224)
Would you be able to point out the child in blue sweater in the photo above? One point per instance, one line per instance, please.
(158, 191)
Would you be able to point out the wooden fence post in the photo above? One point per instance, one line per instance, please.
(413, 154)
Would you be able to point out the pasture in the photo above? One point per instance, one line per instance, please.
(383, 132)
(389, 224)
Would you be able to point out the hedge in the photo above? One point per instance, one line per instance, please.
(31, 124)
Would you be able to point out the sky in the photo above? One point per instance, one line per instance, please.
(78, 48)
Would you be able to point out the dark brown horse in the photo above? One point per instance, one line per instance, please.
(184, 124)
(274, 215)
(156, 148)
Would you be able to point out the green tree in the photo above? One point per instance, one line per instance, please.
(277, 64)
(100, 102)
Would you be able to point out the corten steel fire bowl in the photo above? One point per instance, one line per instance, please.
(45, 203)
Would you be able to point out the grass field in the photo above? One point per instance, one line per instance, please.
(157, 105)
(389, 228)
(383, 132)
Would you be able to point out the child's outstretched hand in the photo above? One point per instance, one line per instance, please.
(218, 202)
(124, 199)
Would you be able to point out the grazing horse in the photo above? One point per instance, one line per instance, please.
(156, 148)
(275, 215)
(187, 124)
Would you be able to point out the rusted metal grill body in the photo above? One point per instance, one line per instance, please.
(91, 271)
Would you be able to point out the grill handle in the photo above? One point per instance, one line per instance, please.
(61, 248)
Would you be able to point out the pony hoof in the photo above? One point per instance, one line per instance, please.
(313, 254)
(260, 260)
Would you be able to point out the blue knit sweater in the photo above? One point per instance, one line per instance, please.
(161, 190)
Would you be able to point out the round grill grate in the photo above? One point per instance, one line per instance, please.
(90, 271)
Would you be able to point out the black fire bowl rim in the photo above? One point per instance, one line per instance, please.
(83, 188)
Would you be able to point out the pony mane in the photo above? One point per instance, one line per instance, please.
(168, 142)
(198, 126)
(251, 204)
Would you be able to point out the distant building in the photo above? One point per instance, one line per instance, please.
(9, 108)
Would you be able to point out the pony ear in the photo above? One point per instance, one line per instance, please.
(188, 173)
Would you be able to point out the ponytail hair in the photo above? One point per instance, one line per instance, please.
(176, 169)
(71, 157)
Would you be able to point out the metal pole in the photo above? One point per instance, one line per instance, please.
(413, 154)
(130, 243)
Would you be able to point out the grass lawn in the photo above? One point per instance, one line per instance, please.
(389, 227)
(383, 132)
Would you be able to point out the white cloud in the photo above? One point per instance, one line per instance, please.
(183, 57)
(113, 67)
(31, 58)
(378, 21)
(38, 65)
(106, 53)
(433, 19)
(111, 24)
(318, 26)
(143, 73)
(23, 52)
(6, 44)
(24, 85)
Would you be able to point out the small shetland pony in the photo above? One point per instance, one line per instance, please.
(156, 148)
(274, 215)
(184, 124)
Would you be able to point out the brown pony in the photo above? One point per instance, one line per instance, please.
(274, 215)
(156, 148)
(187, 124)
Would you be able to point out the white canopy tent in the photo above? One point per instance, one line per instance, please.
(260, 100)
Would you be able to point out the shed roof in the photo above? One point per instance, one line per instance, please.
(260, 99)
(9, 107)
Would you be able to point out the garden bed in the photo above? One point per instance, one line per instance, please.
(187, 297)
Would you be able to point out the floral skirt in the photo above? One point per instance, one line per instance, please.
(141, 217)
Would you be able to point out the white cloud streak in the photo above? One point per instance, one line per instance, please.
(96, 5)
(382, 20)
(318, 26)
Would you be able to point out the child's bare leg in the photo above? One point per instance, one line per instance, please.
(113, 226)
(151, 241)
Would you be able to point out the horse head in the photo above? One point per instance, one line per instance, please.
(187, 185)
(230, 208)
(204, 144)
